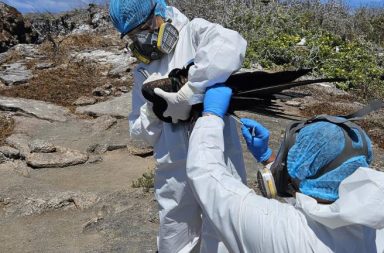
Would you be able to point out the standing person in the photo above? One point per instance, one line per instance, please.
(217, 52)
(339, 209)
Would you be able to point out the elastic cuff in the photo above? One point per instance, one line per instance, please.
(266, 155)
(197, 96)
(205, 113)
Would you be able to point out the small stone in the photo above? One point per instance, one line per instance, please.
(10, 152)
(113, 147)
(140, 151)
(41, 146)
(3, 159)
(107, 86)
(123, 89)
(85, 101)
(108, 92)
(99, 92)
(101, 149)
(97, 148)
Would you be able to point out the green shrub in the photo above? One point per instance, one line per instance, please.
(273, 29)
(147, 181)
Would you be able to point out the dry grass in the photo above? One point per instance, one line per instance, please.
(58, 49)
(70, 80)
(326, 108)
(60, 85)
(13, 56)
(63, 85)
(6, 128)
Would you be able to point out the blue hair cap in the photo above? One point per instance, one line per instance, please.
(316, 146)
(126, 15)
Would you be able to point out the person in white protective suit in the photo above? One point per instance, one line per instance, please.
(217, 52)
(340, 211)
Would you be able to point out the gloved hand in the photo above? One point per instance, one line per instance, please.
(178, 102)
(216, 99)
(256, 136)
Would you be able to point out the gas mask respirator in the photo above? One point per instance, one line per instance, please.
(148, 46)
(274, 180)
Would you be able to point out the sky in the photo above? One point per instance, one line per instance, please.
(25, 6)
(65, 5)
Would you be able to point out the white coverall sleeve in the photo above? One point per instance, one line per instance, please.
(219, 53)
(244, 221)
(207, 176)
(143, 123)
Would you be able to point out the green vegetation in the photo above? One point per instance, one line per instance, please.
(338, 42)
(354, 54)
(147, 181)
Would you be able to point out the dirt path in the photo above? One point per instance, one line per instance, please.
(90, 207)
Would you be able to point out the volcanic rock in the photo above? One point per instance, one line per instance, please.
(14, 29)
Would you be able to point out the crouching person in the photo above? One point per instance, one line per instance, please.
(336, 209)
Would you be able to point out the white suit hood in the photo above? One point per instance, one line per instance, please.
(361, 201)
(179, 20)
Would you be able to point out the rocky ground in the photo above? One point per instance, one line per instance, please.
(67, 163)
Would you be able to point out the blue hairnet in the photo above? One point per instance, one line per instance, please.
(316, 146)
(129, 14)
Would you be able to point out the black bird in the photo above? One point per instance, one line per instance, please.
(252, 91)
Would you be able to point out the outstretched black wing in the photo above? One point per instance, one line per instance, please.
(252, 91)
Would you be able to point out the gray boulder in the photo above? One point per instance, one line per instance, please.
(40, 146)
(14, 29)
(38, 109)
(85, 101)
(118, 107)
(53, 201)
(63, 157)
(20, 142)
(15, 73)
(9, 152)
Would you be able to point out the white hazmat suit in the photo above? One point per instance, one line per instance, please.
(247, 222)
(217, 53)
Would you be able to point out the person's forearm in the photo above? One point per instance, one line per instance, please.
(219, 194)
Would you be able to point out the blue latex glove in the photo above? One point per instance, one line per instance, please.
(256, 136)
(216, 99)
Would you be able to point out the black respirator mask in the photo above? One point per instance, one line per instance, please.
(152, 45)
(274, 180)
